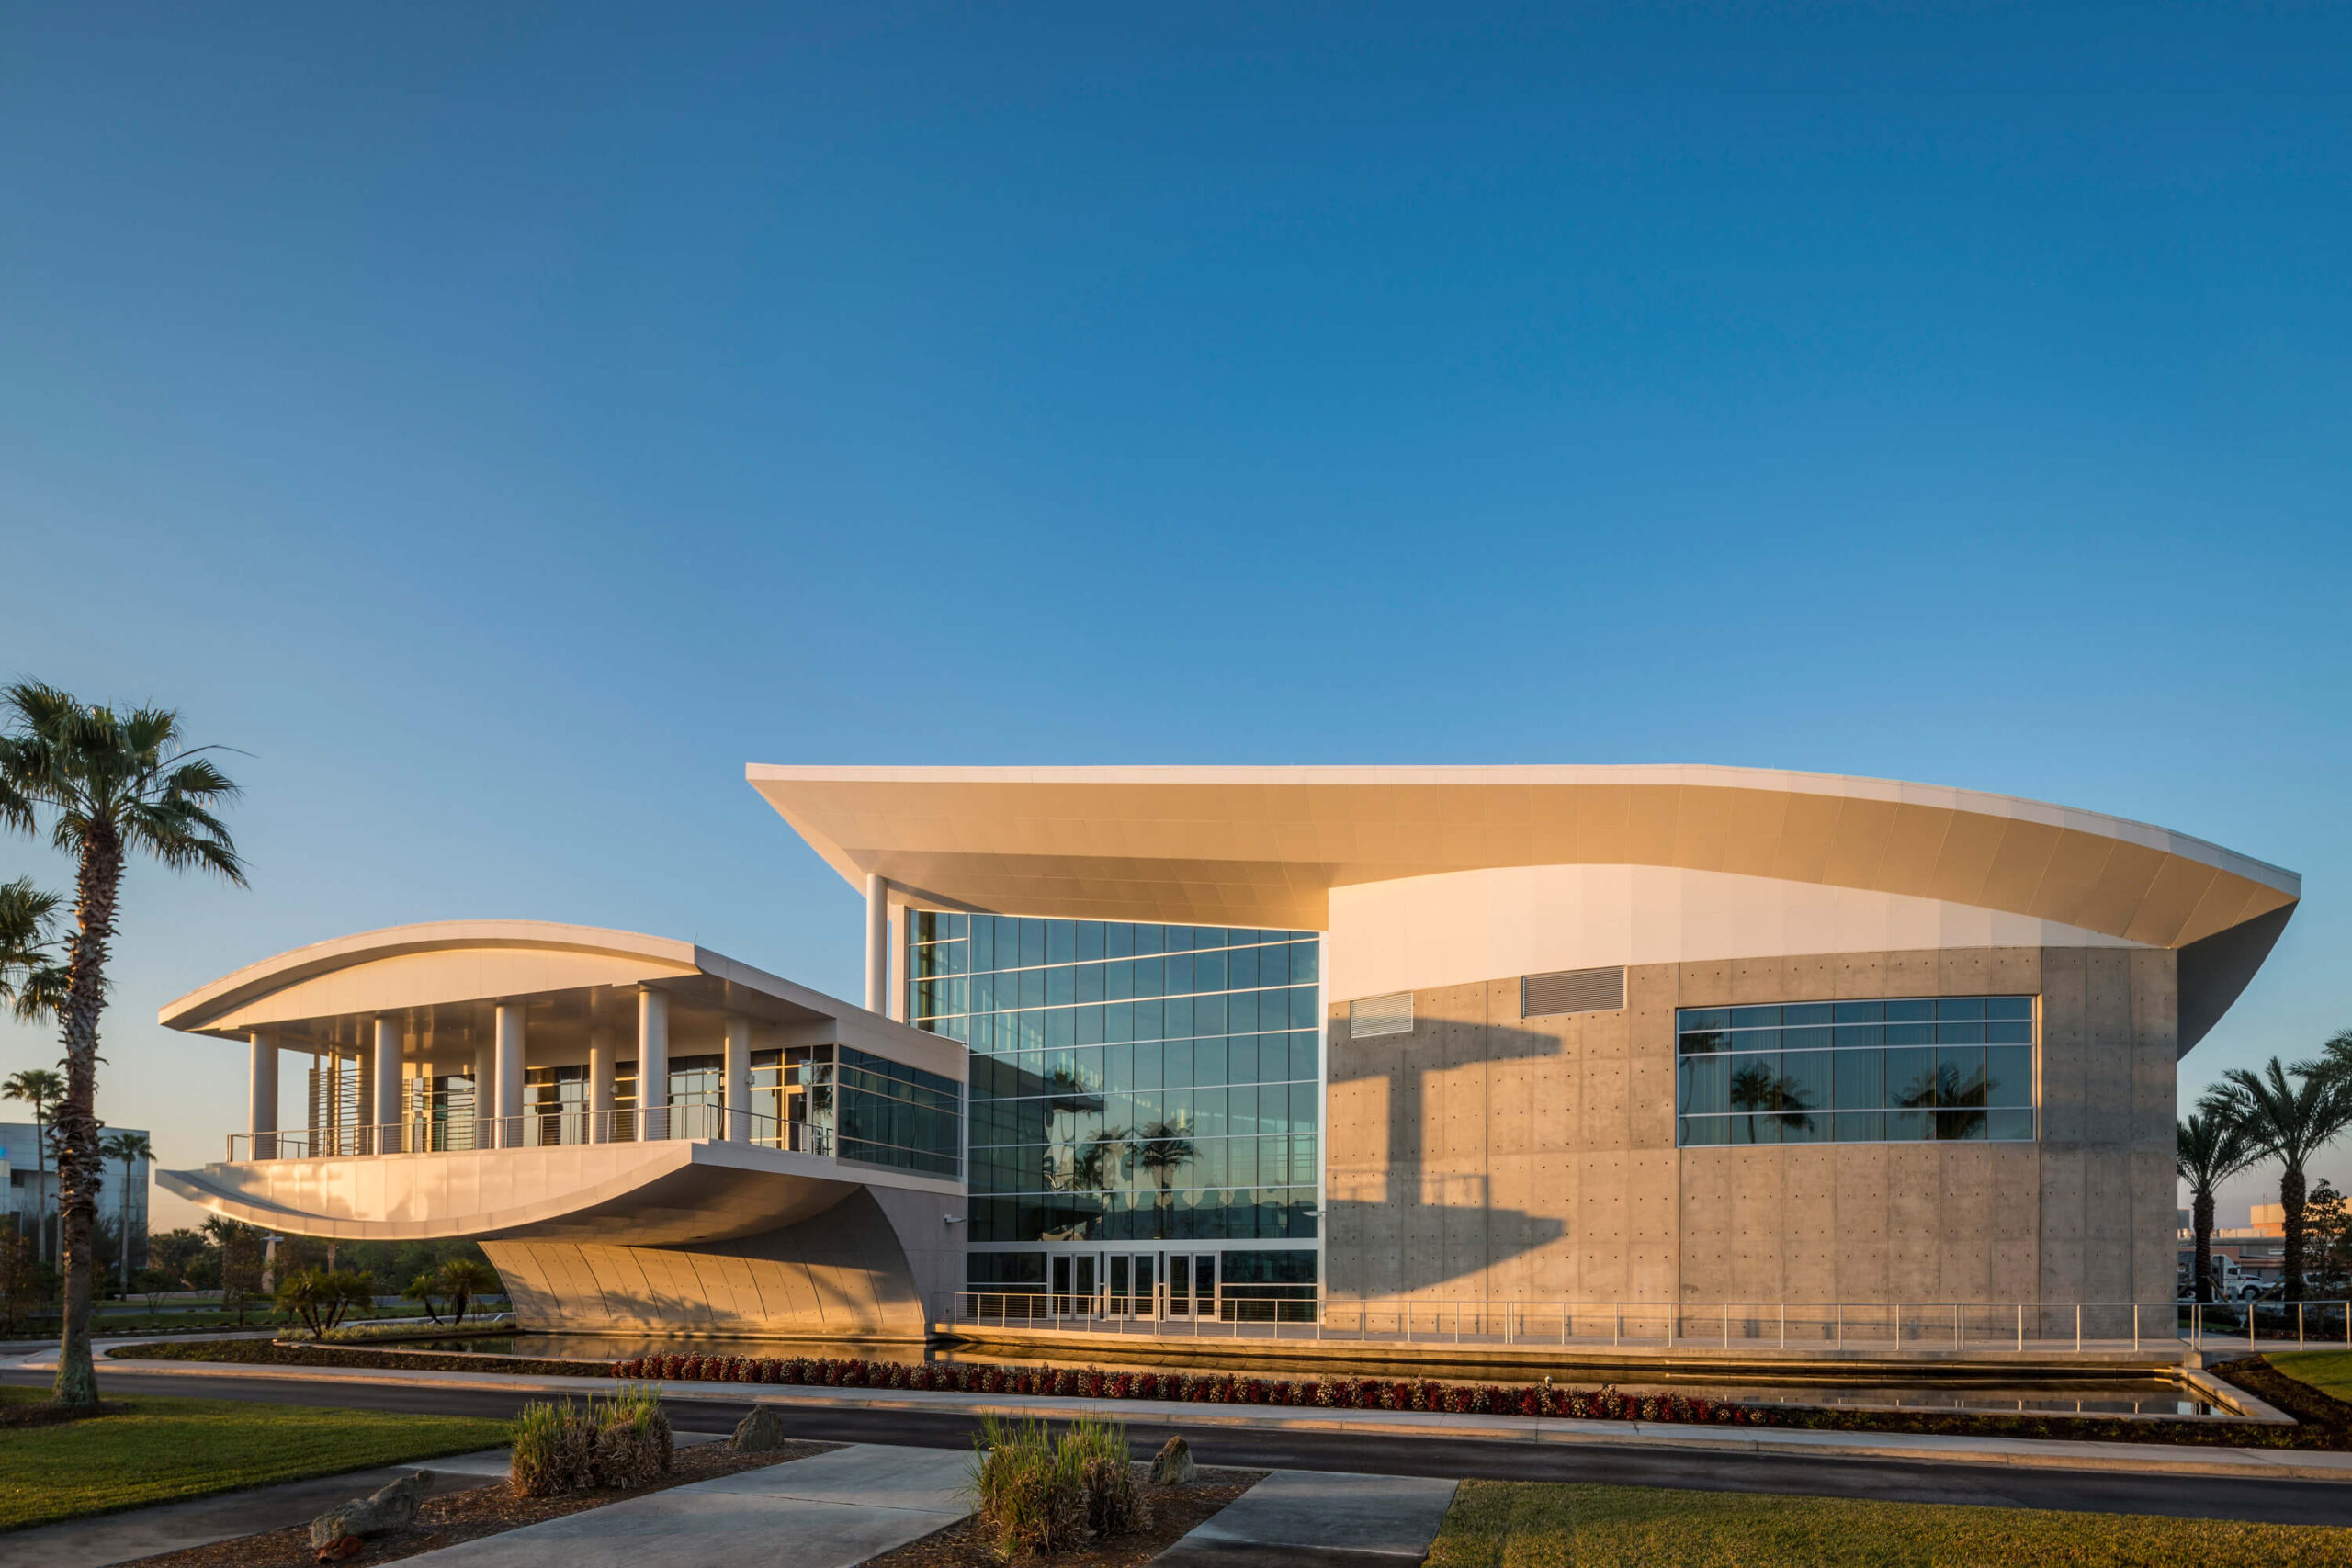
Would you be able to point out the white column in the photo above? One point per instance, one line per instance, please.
(261, 1095)
(479, 1068)
(510, 1072)
(388, 1086)
(737, 1080)
(896, 933)
(652, 1063)
(877, 942)
(600, 1084)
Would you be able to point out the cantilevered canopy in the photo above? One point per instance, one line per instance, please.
(444, 981)
(1264, 846)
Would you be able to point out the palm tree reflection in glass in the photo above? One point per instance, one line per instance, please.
(1757, 1087)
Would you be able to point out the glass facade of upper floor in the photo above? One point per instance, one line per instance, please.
(1130, 1082)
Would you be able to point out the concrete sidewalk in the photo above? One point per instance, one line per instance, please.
(1321, 1517)
(832, 1510)
(2138, 1459)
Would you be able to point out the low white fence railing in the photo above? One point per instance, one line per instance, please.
(531, 1130)
(2017, 1327)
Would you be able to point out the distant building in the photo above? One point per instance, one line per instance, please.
(24, 1195)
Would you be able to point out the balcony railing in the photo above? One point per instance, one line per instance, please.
(1911, 1328)
(536, 1130)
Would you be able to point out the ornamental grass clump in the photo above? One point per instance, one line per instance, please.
(633, 1445)
(555, 1448)
(618, 1443)
(1030, 1494)
(1038, 1497)
(1114, 1504)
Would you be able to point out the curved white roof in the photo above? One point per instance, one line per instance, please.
(1262, 846)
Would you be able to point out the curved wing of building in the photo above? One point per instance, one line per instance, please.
(642, 1134)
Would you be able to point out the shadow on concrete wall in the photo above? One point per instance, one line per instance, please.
(1426, 1219)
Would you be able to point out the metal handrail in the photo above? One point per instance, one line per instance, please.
(537, 1129)
(1924, 1327)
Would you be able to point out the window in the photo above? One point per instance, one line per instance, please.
(1901, 1070)
(1129, 1082)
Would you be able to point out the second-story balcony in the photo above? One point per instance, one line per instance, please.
(539, 1130)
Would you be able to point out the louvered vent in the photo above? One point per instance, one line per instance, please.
(1572, 991)
(1371, 1016)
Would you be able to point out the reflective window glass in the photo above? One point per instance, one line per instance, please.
(2009, 1075)
(1707, 1086)
(1910, 1077)
(1860, 1079)
(1804, 1080)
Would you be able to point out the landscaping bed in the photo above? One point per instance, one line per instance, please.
(280, 1353)
(456, 1516)
(1175, 1511)
(2326, 1424)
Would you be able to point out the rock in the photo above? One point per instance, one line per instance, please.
(387, 1508)
(1172, 1465)
(761, 1430)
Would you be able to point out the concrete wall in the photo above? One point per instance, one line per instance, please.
(868, 1268)
(1489, 1157)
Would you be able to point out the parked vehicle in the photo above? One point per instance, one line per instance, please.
(2231, 1282)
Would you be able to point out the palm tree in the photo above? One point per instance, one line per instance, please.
(2287, 1122)
(463, 1280)
(112, 785)
(2335, 1056)
(130, 1148)
(40, 1089)
(2207, 1151)
(426, 1290)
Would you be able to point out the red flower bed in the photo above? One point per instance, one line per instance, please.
(1197, 1388)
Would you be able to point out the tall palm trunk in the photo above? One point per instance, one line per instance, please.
(126, 1228)
(2290, 1204)
(41, 1185)
(2200, 1216)
(97, 883)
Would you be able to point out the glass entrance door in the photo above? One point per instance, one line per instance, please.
(1131, 1279)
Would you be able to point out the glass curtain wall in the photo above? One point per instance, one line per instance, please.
(1130, 1083)
(1907, 1070)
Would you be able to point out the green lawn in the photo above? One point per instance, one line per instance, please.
(1541, 1524)
(167, 1449)
(2330, 1372)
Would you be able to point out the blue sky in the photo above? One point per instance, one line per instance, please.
(503, 424)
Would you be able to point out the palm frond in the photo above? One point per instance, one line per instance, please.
(32, 980)
(16, 806)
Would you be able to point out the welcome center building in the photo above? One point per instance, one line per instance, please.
(1295, 1042)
